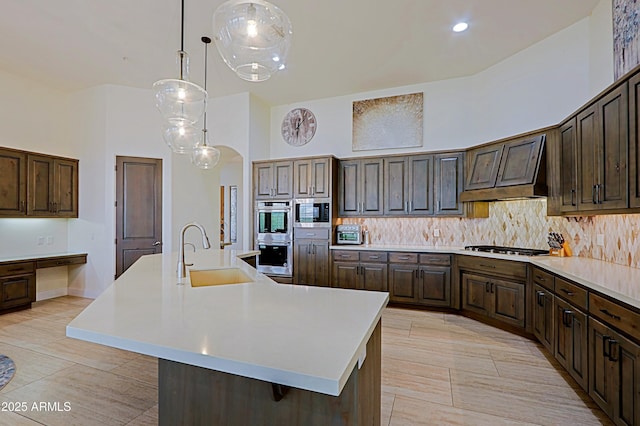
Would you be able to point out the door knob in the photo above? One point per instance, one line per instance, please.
(157, 243)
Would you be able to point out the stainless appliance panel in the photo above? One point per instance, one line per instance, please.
(275, 258)
(273, 221)
(312, 212)
(349, 234)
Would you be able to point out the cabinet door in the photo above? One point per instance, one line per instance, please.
(372, 187)
(40, 190)
(448, 184)
(571, 347)
(65, 188)
(17, 291)
(508, 301)
(302, 178)
(543, 317)
(320, 252)
(482, 166)
(566, 167)
(283, 179)
(476, 296)
(402, 283)
(520, 161)
(588, 166)
(434, 286)
(612, 149)
(348, 188)
(345, 275)
(373, 276)
(625, 355)
(303, 262)
(396, 186)
(634, 141)
(13, 183)
(420, 185)
(601, 371)
(320, 177)
(263, 180)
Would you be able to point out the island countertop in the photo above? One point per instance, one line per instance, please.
(305, 337)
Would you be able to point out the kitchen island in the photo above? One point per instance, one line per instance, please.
(256, 352)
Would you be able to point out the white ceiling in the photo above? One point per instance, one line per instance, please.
(340, 47)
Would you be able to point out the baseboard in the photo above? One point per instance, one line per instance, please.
(81, 293)
(50, 294)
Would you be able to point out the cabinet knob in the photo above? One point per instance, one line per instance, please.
(157, 243)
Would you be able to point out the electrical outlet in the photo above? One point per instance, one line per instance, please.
(40, 241)
(436, 232)
(600, 240)
(49, 240)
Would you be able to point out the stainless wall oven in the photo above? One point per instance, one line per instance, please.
(274, 237)
(273, 220)
(275, 258)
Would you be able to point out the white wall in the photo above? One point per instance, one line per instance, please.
(535, 88)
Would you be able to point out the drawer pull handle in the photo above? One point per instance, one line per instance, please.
(345, 255)
(63, 262)
(310, 234)
(610, 315)
(540, 278)
(374, 257)
(488, 266)
(403, 257)
(567, 292)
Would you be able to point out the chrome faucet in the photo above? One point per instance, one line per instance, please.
(182, 267)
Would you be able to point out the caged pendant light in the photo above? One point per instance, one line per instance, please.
(253, 38)
(181, 103)
(203, 155)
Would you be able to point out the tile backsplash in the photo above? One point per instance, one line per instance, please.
(520, 223)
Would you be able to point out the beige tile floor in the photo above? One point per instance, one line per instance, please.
(438, 369)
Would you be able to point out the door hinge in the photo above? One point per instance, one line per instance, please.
(115, 241)
(115, 204)
(115, 168)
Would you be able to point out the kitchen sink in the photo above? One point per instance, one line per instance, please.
(224, 276)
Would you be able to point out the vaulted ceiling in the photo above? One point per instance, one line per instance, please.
(339, 47)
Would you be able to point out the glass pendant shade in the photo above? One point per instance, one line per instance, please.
(179, 99)
(181, 136)
(253, 38)
(205, 156)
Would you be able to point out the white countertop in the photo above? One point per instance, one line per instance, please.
(618, 281)
(25, 257)
(305, 337)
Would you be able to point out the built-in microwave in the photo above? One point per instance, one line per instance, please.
(310, 212)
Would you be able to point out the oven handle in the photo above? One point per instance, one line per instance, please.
(274, 243)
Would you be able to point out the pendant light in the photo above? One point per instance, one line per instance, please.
(203, 155)
(253, 37)
(180, 102)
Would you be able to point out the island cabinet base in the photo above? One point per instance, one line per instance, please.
(199, 396)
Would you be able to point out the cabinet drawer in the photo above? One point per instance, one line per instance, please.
(311, 233)
(51, 263)
(435, 259)
(543, 278)
(17, 268)
(400, 257)
(346, 255)
(571, 293)
(373, 256)
(618, 316)
(507, 268)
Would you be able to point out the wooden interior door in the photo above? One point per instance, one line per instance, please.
(138, 209)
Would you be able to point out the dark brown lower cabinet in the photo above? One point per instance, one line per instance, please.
(434, 286)
(17, 285)
(494, 298)
(571, 349)
(311, 260)
(614, 367)
(403, 283)
(543, 317)
(360, 276)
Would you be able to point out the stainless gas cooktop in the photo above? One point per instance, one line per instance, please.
(508, 250)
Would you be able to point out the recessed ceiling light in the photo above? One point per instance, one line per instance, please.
(461, 26)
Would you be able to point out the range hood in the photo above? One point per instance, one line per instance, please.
(507, 170)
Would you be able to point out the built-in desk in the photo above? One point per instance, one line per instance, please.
(18, 277)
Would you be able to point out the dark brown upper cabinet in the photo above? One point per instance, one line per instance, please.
(634, 141)
(312, 177)
(360, 184)
(483, 164)
(13, 183)
(37, 185)
(273, 180)
(408, 188)
(566, 169)
(448, 183)
(602, 143)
